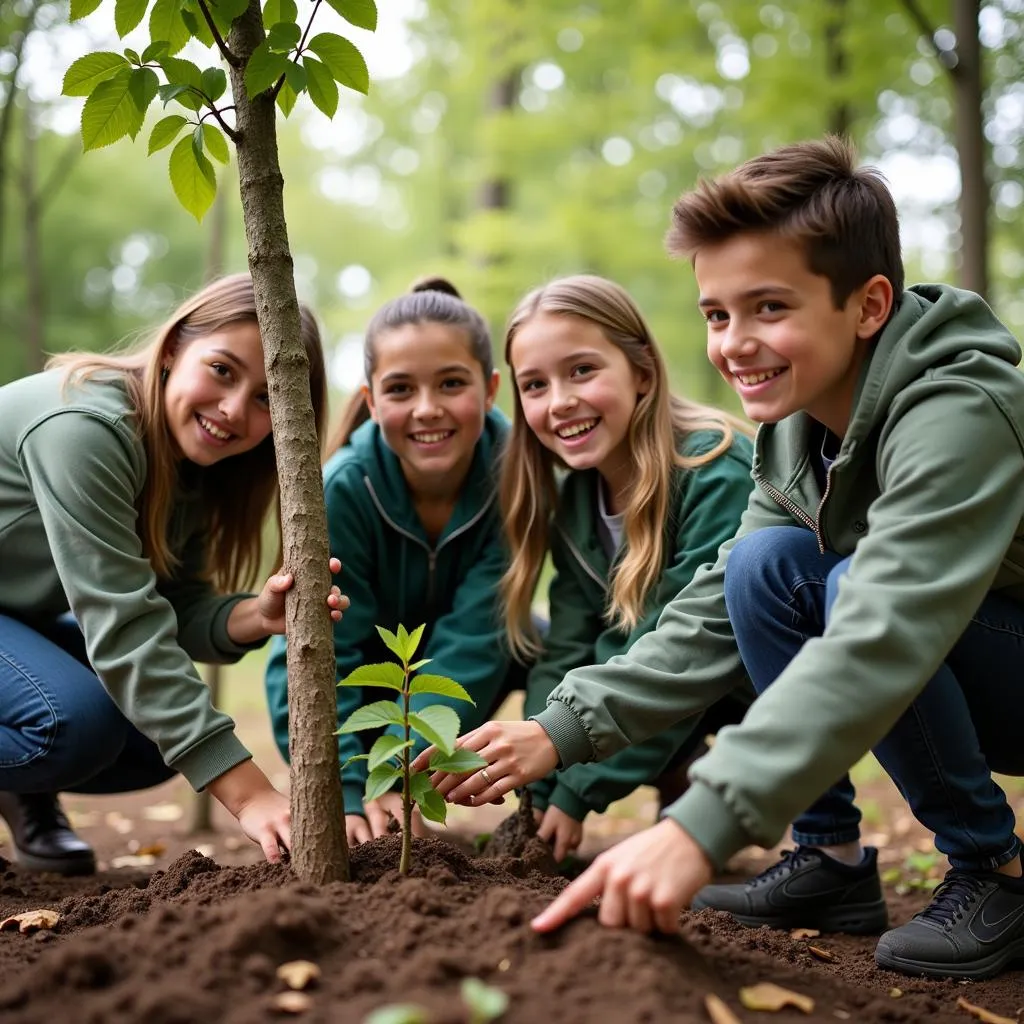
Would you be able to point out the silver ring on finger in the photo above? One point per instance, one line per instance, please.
(486, 777)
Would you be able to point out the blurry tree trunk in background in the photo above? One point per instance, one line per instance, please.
(202, 803)
(964, 67)
(9, 95)
(839, 119)
(495, 190)
(31, 208)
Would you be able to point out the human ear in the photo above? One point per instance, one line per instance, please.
(367, 393)
(491, 390)
(876, 297)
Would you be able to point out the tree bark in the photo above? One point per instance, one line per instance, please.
(968, 96)
(835, 64)
(319, 851)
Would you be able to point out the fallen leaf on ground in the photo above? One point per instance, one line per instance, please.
(504, 964)
(163, 812)
(291, 1002)
(133, 860)
(987, 1016)
(149, 850)
(804, 933)
(896, 993)
(767, 996)
(30, 921)
(822, 954)
(298, 974)
(119, 823)
(718, 1011)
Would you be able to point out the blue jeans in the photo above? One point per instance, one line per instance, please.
(59, 728)
(966, 722)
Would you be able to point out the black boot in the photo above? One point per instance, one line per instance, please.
(42, 837)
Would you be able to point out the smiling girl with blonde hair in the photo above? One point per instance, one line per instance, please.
(655, 484)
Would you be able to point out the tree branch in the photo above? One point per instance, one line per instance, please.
(947, 58)
(279, 84)
(232, 58)
(230, 132)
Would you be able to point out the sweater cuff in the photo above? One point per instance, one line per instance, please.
(566, 731)
(352, 794)
(220, 637)
(710, 822)
(208, 760)
(566, 800)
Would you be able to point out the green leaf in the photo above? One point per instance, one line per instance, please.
(284, 36)
(402, 635)
(458, 761)
(429, 801)
(355, 757)
(380, 781)
(87, 72)
(295, 76)
(384, 748)
(192, 178)
(214, 82)
(390, 641)
(80, 8)
(343, 60)
(143, 87)
(132, 56)
(369, 716)
(323, 90)
(400, 1013)
(441, 685)
(264, 68)
(197, 27)
(438, 725)
(165, 23)
(361, 13)
(154, 51)
(165, 132)
(215, 143)
(197, 139)
(275, 11)
(128, 14)
(414, 640)
(416, 665)
(109, 113)
(387, 674)
(182, 72)
(230, 9)
(485, 1003)
(286, 97)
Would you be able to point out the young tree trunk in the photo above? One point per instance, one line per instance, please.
(319, 851)
(970, 145)
(839, 117)
(35, 297)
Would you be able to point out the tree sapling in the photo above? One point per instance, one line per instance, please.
(389, 758)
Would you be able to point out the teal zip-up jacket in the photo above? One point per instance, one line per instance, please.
(392, 574)
(927, 494)
(72, 469)
(704, 512)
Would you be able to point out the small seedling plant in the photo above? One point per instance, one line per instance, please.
(391, 755)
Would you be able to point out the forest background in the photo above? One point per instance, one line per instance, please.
(504, 142)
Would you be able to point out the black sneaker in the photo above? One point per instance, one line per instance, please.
(42, 836)
(806, 889)
(973, 928)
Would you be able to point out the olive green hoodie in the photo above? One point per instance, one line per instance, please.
(393, 575)
(927, 490)
(72, 468)
(704, 512)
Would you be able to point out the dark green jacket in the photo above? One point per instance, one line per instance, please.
(927, 489)
(72, 468)
(704, 512)
(394, 575)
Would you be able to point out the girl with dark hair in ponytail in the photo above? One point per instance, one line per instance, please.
(410, 486)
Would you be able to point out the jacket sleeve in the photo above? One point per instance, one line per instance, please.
(709, 514)
(950, 467)
(85, 478)
(202, 613)
(680, 668)
(468, 642)
(574, 627)
(352, 539)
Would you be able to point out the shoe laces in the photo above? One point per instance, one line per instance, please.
(951, 898)
(790, 859)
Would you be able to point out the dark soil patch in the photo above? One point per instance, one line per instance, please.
(200, 942)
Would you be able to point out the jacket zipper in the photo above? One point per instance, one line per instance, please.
(431, 552)
(587, 568)
(796, 511)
